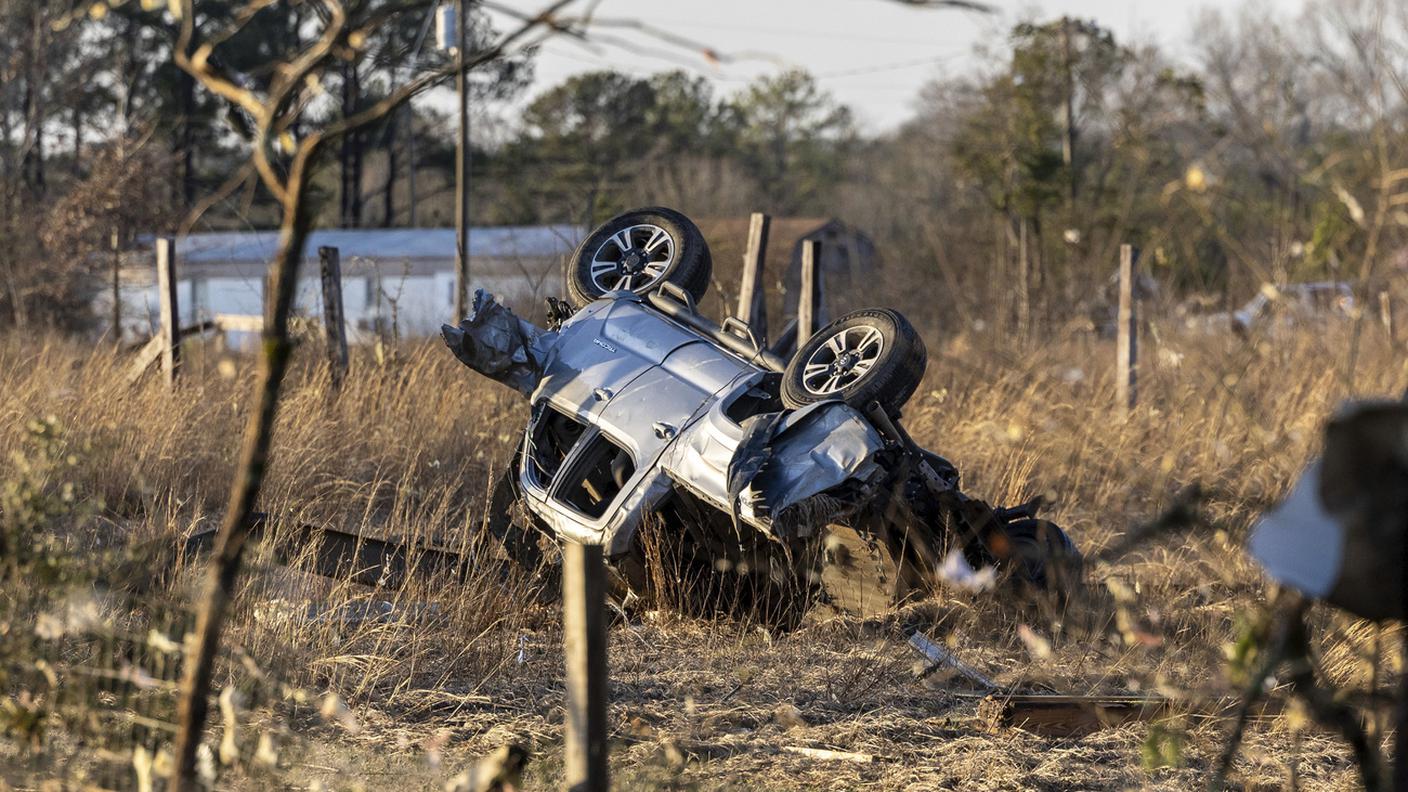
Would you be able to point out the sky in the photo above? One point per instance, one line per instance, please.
(873, 55)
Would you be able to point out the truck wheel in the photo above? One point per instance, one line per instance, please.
(865, 356)
(1037, 552)
(637, 251)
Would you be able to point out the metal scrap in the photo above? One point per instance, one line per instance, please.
(786, 458)
(499, 345)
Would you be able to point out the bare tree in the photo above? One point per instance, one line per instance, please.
(284, 165)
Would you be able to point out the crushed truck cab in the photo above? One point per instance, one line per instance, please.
(630, 405)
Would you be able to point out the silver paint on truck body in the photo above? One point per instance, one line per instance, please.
(661, 391)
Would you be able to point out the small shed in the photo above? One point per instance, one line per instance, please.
(848, 260)
(848, 256)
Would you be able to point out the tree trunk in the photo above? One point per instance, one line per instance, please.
(41, 182)
(129, 72)
(187, 140)
(356, 179)
(233, 535)
(412, 163)
(344, 155)
(1039, 279)
(116, 287)
(1068, 115)
(1002, 232)
(77, 138)
(388, 190)
(7, 163)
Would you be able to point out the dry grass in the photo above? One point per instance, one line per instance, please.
(409, 447)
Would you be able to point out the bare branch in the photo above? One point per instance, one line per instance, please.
(430, 79)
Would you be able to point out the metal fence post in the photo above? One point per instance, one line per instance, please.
(584, 644)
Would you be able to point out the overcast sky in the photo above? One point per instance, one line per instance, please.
(874, 55)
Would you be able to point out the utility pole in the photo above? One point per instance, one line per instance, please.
(462, 164)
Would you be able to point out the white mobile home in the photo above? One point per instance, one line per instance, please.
(398, 281)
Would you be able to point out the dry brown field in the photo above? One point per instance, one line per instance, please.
(408, 450)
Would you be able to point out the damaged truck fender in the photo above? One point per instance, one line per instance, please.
(499, 345)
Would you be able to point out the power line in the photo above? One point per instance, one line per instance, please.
(797, 33)
(598, 60)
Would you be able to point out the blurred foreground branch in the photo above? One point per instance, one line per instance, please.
(275, 113)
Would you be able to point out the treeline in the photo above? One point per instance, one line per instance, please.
(1272, 152)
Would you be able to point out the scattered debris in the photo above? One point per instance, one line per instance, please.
(1047, 714)
(788, 716)
(1279, 308)
(500, 771)
(827, 753)
(350, 614)
(942, 658)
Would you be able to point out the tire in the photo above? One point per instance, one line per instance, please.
(678, 254)
(1037, 552)
(892, 374)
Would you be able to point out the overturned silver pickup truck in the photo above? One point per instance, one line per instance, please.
(650, 422)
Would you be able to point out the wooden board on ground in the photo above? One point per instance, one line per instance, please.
(1053, 715)
(1057, 715)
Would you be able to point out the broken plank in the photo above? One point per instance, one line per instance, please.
(346, 555)
(1057, 715)
(145, 358)
(1052, 715)
(148, 353)
(828, 754)
(240, 323)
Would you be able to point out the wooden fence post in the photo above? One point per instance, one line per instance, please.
(166, 281)
(334, 323)
(1024, 281)
(752, 299)
(1386, 314)
(809, 305)
(584, 644)
(1127, 343)
(116, 288)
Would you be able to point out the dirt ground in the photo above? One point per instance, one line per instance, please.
(719, 702)
(733, 720)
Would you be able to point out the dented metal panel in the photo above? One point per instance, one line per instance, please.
(700, 459)
(661, 391)
(499, 345)
(798, 455)
(599, 352)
